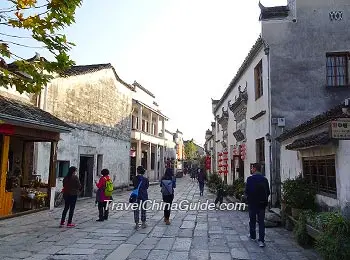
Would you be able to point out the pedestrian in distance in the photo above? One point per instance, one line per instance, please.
(142, 183)
(193, 174)
(257, 193)
(220, 193)
(201, 180)
(71, 189)
(103, 194)
(167, 184)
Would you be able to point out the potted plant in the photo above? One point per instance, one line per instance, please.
(299, 195)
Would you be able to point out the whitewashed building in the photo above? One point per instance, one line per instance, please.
(319, 151)
(290, 75)
(97, 103)
(151, 143)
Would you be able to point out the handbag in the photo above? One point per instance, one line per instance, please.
(135, 194)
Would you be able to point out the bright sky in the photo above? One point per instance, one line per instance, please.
(184, 51)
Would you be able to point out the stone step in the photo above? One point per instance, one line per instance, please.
(276, 211)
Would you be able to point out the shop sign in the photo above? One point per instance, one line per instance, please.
(340, 129)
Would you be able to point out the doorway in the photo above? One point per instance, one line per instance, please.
(86, 168)
(241, 169)
(132, 167)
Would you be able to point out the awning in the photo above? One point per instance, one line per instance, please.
(18, 113)
(310, 141)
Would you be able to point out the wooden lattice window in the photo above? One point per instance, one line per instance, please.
(337, 69)
(320, 172)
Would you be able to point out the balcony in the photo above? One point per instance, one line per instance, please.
(146, 137)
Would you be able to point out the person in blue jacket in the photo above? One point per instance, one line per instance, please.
(142, 196)
(168, 183)
(257, 193)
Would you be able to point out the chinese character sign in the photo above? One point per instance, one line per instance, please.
(340, 129)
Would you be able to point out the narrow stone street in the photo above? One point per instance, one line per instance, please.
(197, 235)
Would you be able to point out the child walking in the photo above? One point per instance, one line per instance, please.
(101, 197)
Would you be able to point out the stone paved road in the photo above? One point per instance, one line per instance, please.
(197, 235)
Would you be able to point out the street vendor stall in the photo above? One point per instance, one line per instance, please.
(21, 125)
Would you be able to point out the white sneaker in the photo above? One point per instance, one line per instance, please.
(252, 239)
(137, 226)
(261, 244)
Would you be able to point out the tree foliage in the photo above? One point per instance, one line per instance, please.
(44, 20)
(190, 150)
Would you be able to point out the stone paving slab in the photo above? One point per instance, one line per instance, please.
(193, 235)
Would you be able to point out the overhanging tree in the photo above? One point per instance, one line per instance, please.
(44, 19)
(190, 150)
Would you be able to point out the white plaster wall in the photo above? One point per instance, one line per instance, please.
(291, 166)
(343, 173)
(255, 129)
(115, 154)
(11, 92)
(145, 98)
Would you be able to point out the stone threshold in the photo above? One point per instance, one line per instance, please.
(27, 212)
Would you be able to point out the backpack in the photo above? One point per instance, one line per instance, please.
(167, 187)
(109, 188)
(260, 193)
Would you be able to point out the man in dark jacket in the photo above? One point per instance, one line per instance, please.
(201, 180)
(142, 196)
(257, 192)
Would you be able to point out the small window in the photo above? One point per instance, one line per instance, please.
(143, 125)
(62, 168)
(260, 153)
(337, 69)
(133, 121)
(320, 172)
(258, 75)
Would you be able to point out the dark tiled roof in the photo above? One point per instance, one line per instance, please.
(136, 84)
(178, 131)
(327, 116)
(16, 110)
(251, 55)
(275, 12)
(214, 101)
(86, 69)
(313, 140)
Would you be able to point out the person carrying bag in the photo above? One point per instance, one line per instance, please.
(140, 195)
(167, 184)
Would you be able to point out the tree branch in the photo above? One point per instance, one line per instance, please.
(14, 9)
